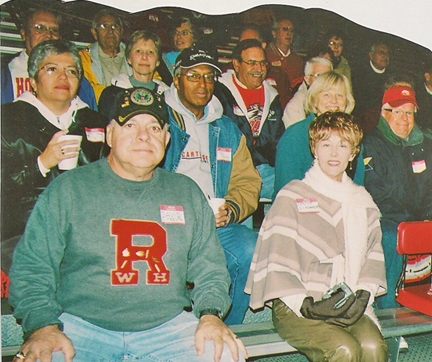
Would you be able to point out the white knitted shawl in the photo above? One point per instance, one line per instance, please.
(354, 200)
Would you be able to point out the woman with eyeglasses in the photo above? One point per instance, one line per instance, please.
(330, 92)
(142, 54)
(183, 36)
(33, 125)
(335, 42)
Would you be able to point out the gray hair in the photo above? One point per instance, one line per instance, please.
(105, 12)
(325, 82)
(27, 20)
(278, 19)
(378, 43)
(51, 47)
(317, 60)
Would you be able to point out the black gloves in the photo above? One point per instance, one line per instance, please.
(325, 308)
(346, 315)
(355, 311)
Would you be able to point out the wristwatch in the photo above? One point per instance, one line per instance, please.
(211, 311)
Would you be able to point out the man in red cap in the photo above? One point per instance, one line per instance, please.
(398, 175)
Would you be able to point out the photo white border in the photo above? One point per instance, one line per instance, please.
(410, 20)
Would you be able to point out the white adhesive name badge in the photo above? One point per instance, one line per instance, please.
(95, 134)
(237, 111)
(172, 214)
(271, 81)
(307, 206)
(223, 154)
(418, 166)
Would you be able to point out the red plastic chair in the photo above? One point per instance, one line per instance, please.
(415, 244)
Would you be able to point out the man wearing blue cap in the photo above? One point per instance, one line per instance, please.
(101, 272)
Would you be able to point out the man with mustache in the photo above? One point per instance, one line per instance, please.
(209, 148)
(105, 58)
(253, 104)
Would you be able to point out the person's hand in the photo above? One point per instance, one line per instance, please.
(355, 312)
(222, 218)
(42, 343)
(210, 327)
(54, 152)
(325, 308)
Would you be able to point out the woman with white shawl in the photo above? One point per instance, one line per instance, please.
(321, 233)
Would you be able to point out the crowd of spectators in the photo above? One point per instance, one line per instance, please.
(242, 132)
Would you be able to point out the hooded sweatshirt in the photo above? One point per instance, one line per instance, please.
(195, 159)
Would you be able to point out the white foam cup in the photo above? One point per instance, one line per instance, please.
(69, 163)
(216, 203)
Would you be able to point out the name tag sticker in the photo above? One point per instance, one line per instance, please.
(223, 154)
(172, 214)
(95, 134)
(418, 166)
(237, 111)
(271, 81)
(305, 206)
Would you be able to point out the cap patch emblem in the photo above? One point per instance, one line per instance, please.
(142, 97)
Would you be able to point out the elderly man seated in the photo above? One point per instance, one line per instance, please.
(101, 272)
(398, 164)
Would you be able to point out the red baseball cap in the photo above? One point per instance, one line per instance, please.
(398, 95)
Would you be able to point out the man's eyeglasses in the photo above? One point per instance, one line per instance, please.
(314, 75)
(42, 29)
(287, 30)
(382, 53)
(54, 70)
(253, 63)
(336, 44)
(106, 26)
(399, 112)
(196, 77)
(182, 33)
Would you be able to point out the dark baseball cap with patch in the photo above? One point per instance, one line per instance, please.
(130, 102)
(191, 57)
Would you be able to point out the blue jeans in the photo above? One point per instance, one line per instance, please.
(393, 266)
(171, 341)
(267, 174)
(238, 242)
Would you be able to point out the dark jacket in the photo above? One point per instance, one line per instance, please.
(25, 134)
(424, 113)
(263, 147)
(398, 173)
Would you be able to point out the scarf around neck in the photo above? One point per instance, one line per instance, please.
(355, 201)
(415, 137)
